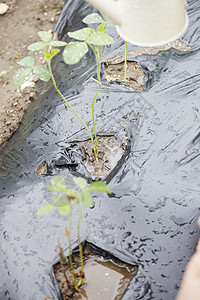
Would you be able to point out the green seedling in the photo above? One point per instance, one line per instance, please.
(42, 72)
(2, 73)
(64, 202)
(96, 40)
(73, 53)
(125, 60)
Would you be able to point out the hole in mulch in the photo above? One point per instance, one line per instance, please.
(110, 152)
(134, 76)
(105, 276)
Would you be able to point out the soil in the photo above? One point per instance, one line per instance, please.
(110, 151)
(105, 278)
(19, 27)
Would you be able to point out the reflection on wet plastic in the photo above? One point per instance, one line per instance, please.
(105, 280)
(150, 218)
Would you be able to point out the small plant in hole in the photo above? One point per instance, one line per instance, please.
(42, 72)
(96, 40)
(72, 54)
(64, 202)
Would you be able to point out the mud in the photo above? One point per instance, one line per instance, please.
(105, 278)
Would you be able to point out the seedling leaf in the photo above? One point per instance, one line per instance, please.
(93, 18)
(27, 61)
(86, 198)
(99, 186)
(37, 46)
(74, 52)
(108, 21)
(57, 43)
(45, 209)
(42, 72)
(21, 76)
(81, 34)
(102, 28)
(100, 39)
(45, 52)
(63, 208)
(45, 36)
(58, 185)
(54, 52)
(80, 182)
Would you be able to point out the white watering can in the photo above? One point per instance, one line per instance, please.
(146, 22)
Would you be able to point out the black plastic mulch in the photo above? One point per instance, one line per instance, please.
(150, 219)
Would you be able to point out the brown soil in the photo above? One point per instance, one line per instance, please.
(18, 29)
(105, 278)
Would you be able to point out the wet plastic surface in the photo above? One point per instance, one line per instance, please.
(150, 219)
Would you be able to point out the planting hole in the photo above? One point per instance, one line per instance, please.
(105, 278)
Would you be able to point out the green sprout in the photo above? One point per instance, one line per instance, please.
(125, 60)
(72, 54)
(88, 37)
(64, 202)
(42, 72)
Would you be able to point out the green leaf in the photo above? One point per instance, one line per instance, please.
(45, 209)
(27, 61)
(37, 46)
(63, 208)
(93, 18)
(86, 198)
(74, 52)
(108, 21)
(57, 43)
(99, 186)
(47, 55)
(45, 52)
(57, 199)
(58, 185)
(21, 76)
(42, 72)
(45, 36)
(54, 52)
(100, 39)
(102, 27)
(81, 34)
(80, 182)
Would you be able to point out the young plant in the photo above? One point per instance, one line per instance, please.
(64, 202)
(74, 51)
(42, 72)
(125, 60)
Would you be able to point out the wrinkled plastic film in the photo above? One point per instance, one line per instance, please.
(150, 218)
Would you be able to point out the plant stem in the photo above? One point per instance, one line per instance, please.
(98, 61)
(125, 60)
(79, 242)
(70, 250)
(58, 91)
(62, 260)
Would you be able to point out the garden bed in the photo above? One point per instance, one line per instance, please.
(149, 219)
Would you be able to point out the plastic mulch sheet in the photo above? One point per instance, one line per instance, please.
(150, 218)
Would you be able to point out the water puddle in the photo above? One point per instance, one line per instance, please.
(105, 278)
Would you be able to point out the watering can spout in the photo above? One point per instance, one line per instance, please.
(110, 8)
(146, 22)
